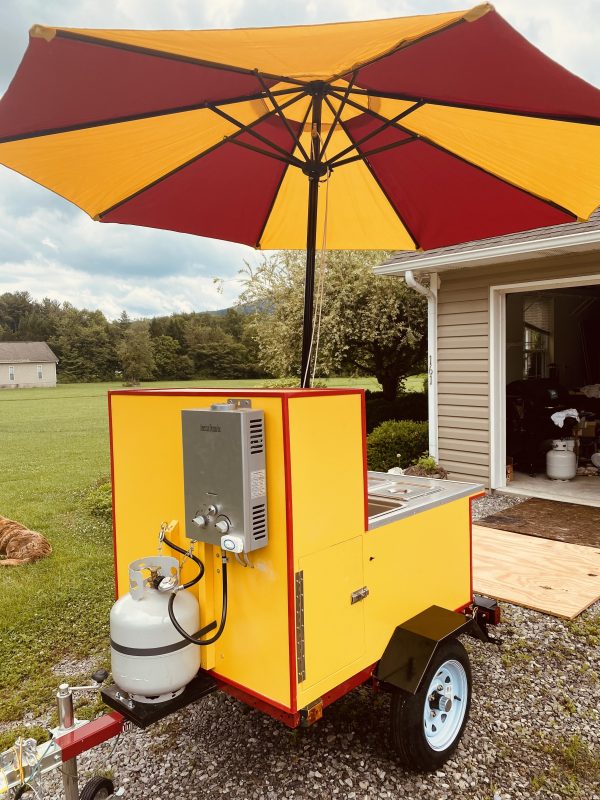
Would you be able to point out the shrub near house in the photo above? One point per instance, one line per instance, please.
(396, 443)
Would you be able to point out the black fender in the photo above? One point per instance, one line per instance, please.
(414, 643)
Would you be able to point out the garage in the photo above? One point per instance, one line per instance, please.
(553, 391)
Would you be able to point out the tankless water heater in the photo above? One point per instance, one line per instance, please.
(224, 474)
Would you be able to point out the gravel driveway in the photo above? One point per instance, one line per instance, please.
(533, 733)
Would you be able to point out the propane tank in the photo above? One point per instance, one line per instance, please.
(150, 660)
(561, 461)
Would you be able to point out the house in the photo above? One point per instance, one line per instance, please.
(27, 365)
(510, 316)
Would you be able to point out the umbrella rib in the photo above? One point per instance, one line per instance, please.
(387, 197)
(283, 117)
(279, 185)
(226, 140)
(337, 115)
(335, 160)
(289, 161)
(443, 149)
(366, 154)
(149, 51)
(82, 126)
(247, 129)
(478, 107)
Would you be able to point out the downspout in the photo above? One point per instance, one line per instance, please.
(432, 395)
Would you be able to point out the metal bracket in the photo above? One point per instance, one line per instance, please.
(238, 402)
(300, 652)
(358, 595)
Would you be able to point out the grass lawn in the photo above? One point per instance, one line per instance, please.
(54, 450)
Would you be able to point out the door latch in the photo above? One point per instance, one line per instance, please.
(358, 595)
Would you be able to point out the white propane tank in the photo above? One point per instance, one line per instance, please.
(561, 461)
(150, 660)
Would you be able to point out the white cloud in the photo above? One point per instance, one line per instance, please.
(48, 247)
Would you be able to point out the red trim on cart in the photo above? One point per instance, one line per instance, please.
(289, 526)
(289, 718)
(112, 489)
(339, 691)
(225, 681)
(241, 392)
(93, 733)
(471, 499)
(363, 413)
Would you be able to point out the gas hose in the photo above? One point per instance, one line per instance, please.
(195, 580)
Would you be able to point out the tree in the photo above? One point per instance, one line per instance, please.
(14, 307)
(84, 346)
(216, 354)
(135, 352)
(370, 324)
(170, 363)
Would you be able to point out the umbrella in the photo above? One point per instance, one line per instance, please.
(423, 131)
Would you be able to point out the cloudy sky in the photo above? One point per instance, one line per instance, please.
(50, 248)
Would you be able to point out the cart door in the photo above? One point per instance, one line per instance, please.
(334, 626)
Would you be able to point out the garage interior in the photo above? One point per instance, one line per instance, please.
(553, 367)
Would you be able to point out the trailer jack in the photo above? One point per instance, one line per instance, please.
(22, 766)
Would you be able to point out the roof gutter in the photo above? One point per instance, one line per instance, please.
(492, 253)
(430, 293)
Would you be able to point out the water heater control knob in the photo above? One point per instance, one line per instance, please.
(200, 521)
(222, 526)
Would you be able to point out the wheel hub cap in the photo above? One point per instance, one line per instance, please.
(446, 705)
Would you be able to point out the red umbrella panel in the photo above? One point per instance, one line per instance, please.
(428, 131)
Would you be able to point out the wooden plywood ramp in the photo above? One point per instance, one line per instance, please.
(554, 577)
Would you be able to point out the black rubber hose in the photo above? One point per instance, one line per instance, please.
(194, 558)
(184, 633)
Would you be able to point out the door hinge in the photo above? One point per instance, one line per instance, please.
(358, 595)
(300, 654)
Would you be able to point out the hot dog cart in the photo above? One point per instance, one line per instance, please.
(335, 576)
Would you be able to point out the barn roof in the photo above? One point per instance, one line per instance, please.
(26, 352)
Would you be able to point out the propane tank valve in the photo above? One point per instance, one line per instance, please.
(169, 584)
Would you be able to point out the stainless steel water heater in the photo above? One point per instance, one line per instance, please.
(225, 476)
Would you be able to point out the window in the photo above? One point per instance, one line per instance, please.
(11, 373)
(538, 315)
(535, 351)
(40, 372)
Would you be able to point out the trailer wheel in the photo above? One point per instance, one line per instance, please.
(97, 789)
(426, 727)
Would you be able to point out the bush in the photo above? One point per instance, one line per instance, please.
(412, 405)
(99, 500)
(290, 383)
(427, 466)
(406, 437)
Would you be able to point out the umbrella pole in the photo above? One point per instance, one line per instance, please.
(314, 172)
(309, 281)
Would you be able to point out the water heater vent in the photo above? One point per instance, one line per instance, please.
(259, 522)
(257, 438)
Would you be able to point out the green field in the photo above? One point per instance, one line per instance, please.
(54, 450)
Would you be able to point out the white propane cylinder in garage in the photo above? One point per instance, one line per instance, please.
(561, 462)
(150, 660)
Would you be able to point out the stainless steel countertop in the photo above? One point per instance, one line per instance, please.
(392, 497)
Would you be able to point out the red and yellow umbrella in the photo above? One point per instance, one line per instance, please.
(423, 131)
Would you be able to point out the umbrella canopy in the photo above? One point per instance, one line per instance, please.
(426, 131)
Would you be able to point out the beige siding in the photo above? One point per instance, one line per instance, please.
(26, 376)
(463, 355)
